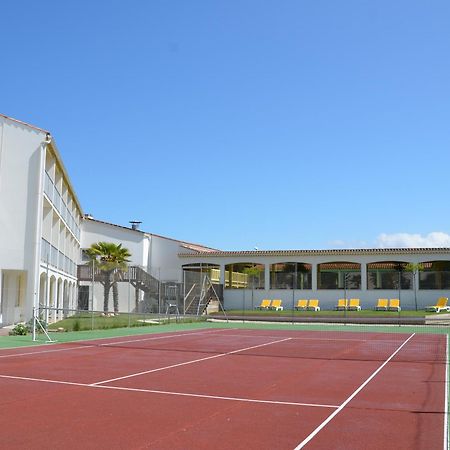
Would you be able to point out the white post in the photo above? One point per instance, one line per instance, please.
(34, 323)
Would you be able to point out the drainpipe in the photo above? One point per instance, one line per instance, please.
(38, 235)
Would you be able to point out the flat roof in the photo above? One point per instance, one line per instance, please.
(331, 252)
(187, 245)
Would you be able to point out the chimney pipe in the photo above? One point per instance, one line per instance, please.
(135, 224)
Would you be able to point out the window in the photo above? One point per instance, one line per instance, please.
(388, 275)
(339, 275)
(244, 276)
(435, 275)
(290, 275)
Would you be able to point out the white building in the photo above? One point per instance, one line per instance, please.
(155, 256)
(327, 275)
(42, 232)
(39, 223)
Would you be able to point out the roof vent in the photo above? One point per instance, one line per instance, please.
(88, 216)
(135, 224)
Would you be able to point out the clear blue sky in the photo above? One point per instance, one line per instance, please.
(292, 124)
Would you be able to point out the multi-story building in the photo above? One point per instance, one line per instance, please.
(40, 219)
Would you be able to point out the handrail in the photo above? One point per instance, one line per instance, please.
(193, 299)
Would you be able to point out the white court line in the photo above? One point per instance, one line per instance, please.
(446, 436)
(154, 338)
(217, 397)
(181, 394)
(394, 341)
(188, 362)
(12, 355)
(352, 396)
(104, 338)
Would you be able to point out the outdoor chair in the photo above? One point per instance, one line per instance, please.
(441, 304)
(264, 304)
(394, 305)
(313, 305)
(301, 305)
(382, 304)
(276, 305)
(353, 305)
(342, 304)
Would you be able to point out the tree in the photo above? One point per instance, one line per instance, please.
(109, 258)
(253, 273)
(414, 268)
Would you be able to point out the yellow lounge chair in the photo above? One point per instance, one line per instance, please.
(382, 304)
(276, 305)
(394, 305)
(301, 305)
(353, 305)
(313, 305)
(264, 304)
(441, 304)
(342, 304)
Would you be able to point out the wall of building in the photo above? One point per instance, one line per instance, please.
(240, 298)
(135, 241)
(21, 158)
(164, 261)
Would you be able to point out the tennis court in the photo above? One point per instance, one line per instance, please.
(228, 388)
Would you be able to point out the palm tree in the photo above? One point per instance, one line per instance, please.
(415, 268)
(253, 273)
(110, 259)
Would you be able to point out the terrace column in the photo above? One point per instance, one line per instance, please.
(314, 277)
(1, 296)
(222, 274)
(266, 277)
(364, 277)
(60, 299)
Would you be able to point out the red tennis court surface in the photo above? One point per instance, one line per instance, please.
(228, 389)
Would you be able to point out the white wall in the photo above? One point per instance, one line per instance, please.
(21, 156)
(236, 298)
(164, 261)
(19, 180)
(94, 231)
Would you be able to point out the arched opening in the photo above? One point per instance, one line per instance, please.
(389, 275)
(65, 298)
(339, 275)
(43, 289)
(201, 288)
(434, 275)
(244, 276)
(51, 299)
(290, 275)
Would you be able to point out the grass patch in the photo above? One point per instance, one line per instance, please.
(330, 313)
(86, 321)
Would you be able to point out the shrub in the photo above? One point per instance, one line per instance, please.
(19, 330)
(38, 328)
(76, 326)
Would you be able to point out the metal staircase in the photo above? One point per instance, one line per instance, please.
(200, 295)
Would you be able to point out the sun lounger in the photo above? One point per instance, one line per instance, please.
(441, 305)
(313, 305)
(394, 304)
(264, 304)
(342, 304)
(301, 305)
(276, 305)
(382, 304)
(353, 305)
